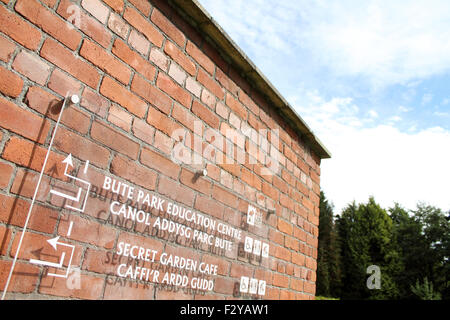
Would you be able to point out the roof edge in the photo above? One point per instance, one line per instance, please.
(203, 22)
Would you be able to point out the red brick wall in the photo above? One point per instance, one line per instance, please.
(142, 72)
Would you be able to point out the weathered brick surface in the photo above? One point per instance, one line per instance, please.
(151, 87)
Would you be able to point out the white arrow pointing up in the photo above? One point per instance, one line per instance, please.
(68, 160)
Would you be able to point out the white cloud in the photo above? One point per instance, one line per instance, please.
(404, 109)
(387, 42)
(380, 160)
(373, 114)
(395, 119)
(426, 98)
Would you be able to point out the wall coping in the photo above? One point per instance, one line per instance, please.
(203, 22)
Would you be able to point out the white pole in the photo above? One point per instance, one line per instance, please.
(74, 99)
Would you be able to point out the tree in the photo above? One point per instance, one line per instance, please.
(328, 271)
(436, 234)
(366, 238)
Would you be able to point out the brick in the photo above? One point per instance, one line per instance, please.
(97, 9)
(298, 259)
(7, 49)
(23, 122)
(237, 107)
(210, 84)
(200, 184)
(19, 30)
(114, 140)
(88, 231)
(25, 183)
(5, 174)
(174, 90)
(168, 28)
(205, 114)
(248, 102)
(182, 115)
(142, 5)
(91, 287)
(133, 172)
(208, 98)
(175, 191)
(88, 25)
(44, 102)
(281, 253)
(239, 270)
(49, 22)
(159, 163)
(161, 122)
(224, 286)
(172, 295)
(122, 51)
(144, 26)
(143, 131)
(177, 73)
(224, 196)
(139, 42)
(151, 94)
(116, 291)
(222, 110)
(159, 58)
(116, 5)
(280, 281)
(14, 211)
(26, 154)
(209, 206)
(81, 148)
(101, 261)
(24, 279)
(94, 102)
(193, 86)
(200, 57)
(251, 179)
(223, 266)
(118, 25)
(234, 120)
(120, 117)
(309, 287)
(114, 91)
(49, 3)
(284, 226)
(36, 246)
(63, 58)
(32, 67)
(63, 84)
(10, 84)
(163, 142)
(226, 82)
(179, 57)
(99, 57)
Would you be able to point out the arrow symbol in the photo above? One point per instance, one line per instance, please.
(53, 242)
(68, 161)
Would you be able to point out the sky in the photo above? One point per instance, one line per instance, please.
(370, 78)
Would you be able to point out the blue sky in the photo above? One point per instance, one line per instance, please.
(372, 80)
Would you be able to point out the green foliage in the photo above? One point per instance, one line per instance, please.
(366, 238)
(328, 271)
(425, 291)
(405, 245)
